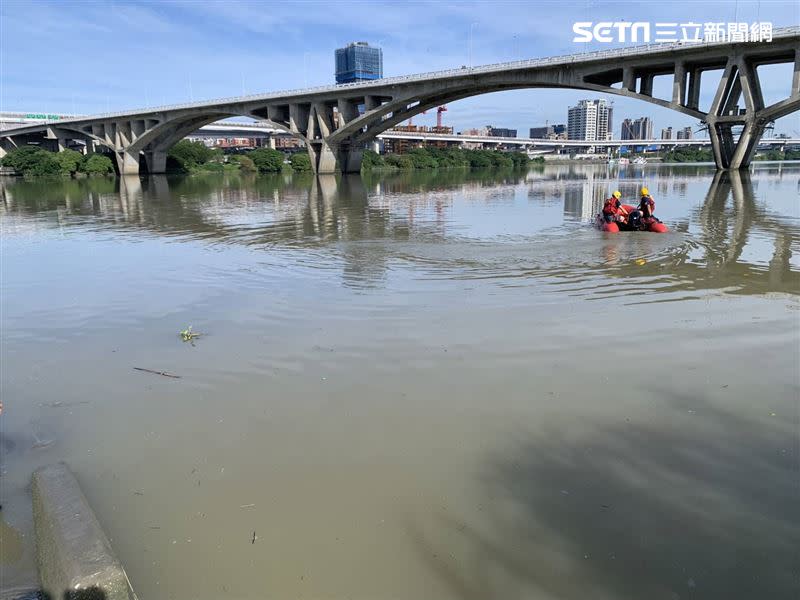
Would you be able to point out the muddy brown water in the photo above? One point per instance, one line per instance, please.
(424, 385)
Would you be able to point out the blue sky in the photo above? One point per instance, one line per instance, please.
(90, 56)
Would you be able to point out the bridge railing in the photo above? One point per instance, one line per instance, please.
(465, 71)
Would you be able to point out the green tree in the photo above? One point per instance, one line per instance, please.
(449, 158)
(688, 154)
(300, 162)
(267, 160)
(479, 159)
(189, 155)
(520, 159)
(32, 161)
(399, 161)
(69, 161)
(422, 159)
(96, 164)
(371, 160)
(246, 163)
(501, 160)
(212, 167)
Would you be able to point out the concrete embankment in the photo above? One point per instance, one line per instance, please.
(74, 555)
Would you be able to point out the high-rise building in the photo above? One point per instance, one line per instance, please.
(588, 120)
(501, 132)
(638, 129)
(358, 62)
(479, 132)
(666, 134)
(644, 130)
(685, 133)
(626, 133)
(548, 132)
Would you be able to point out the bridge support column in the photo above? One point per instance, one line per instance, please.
(350, 160)
(326, 158)
(730, 154)
(679, 84)
(323, 157)
(746, 147)
(156, 162)
(128, 162)
(693, 100)
(7, 144)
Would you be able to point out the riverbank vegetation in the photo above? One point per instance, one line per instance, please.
(775, 154)
(692, 154)
(688, 154)
(33, 161)
(445, 158)
(196, 157)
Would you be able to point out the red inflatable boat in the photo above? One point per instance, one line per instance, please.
(655, 226)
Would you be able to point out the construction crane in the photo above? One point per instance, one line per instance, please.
(439, 112)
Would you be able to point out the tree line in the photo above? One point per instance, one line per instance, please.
(446, 158)
(183, 157)
(691, 154)
(33, 161)
(193, 157)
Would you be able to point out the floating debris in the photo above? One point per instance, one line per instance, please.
(187, 335)
(162, 373)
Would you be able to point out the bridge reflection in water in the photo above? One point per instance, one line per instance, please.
(370, 222)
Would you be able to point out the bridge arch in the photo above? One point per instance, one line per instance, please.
(372, 124)
(337, 121)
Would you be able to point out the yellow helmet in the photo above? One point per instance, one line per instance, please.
(617, 195)
(645, 191)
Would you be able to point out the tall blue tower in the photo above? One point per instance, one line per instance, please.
(358, 62)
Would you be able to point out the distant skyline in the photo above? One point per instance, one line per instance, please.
(89, 57)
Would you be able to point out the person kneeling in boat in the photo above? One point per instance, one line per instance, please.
(647, 206)
(613, 211)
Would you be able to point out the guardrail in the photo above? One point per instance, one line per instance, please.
(652, 48)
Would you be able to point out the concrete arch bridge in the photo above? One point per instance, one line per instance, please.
(337, 122)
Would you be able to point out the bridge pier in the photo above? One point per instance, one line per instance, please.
(746, 147)
(328, 158)
(156, 162)
(128, 162)
(6, 145)
(323, 157)
(730, 154)
(350, 160)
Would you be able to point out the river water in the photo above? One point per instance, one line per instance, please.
(423, 385)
